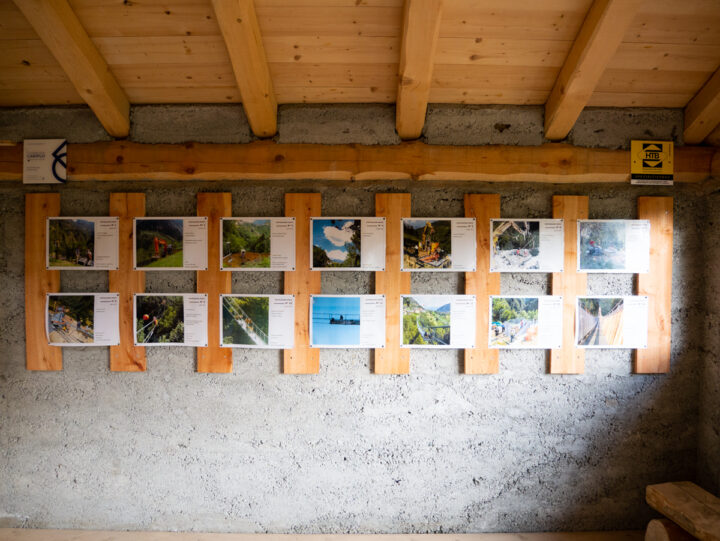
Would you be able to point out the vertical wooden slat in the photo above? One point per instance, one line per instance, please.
(214, 282)
(392, 283)
(39, 281)
(657, 285)
(482, 283)
(569, 283)
(127, 357)
(302, 282)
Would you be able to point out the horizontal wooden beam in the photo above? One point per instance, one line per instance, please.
(702, 114)
(550, 163)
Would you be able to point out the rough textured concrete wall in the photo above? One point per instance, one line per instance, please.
(709, 430)
(344, 451)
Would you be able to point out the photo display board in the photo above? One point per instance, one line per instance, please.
(82, 243)
(613, 246)
(526, 245)
(347, 321)
(170, 319)
(347, 244)
(82, 319)
(522, 322)
(611, 322)
(257, 321)
(438, 321)
(257, 244)
(438, 244)
(173, 243)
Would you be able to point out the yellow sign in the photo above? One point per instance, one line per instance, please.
(651, 162)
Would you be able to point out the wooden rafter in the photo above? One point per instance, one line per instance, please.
(702, 114)
(596, 43)
(61, 31)
(552, 163)
(421, 27)
(241, 32)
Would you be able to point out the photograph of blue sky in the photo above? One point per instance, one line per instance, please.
(335, 321)
(335, 238)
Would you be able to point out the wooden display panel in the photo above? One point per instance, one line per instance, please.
(482, 283)
(657, 285)
(126, 357)
(392, 283)
(214, 282)
(569, 284)
(302, 282)
(39, 281)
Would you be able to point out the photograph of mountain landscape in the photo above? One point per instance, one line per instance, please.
(71, 242)
(514, 322)
(336, 243)
(601, 245)
(159, 243)
(427, 244)
(245, 243)
(426, 320)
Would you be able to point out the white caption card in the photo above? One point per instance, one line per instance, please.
(438, 321)
(347, 321)
(605, 321)
(82, 243)
(439, 244)
(82, 319)
(347, 243)
(614, 246)
(526, 245)
(170, 319)
(257, 244)
(44, 161)
(257, 321)
(521, 322)
(173, 243)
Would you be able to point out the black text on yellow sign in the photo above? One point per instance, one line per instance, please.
(651, 162)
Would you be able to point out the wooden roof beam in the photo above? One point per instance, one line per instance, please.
(241, 32)
(421, 27)
(600, 35)
(61, 31)
(702, 113)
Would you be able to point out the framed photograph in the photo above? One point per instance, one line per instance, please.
(347, 321)
(438, 321)
(257, 321)
(172, 319)
(526, 245)
(438, 244)
(608, 246)
(170, 243)
(82, 243)
(518, 322)
(82, 319)
(257, 244)
(611, 322)
(347, 244)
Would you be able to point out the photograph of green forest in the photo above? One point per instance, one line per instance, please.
(426, 320)
(159, 319)
(245, 320)
(71, 242)
(245, 243)
(159, 243)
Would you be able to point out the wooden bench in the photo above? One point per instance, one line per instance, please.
(687, 505)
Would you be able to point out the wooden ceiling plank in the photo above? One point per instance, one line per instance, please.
(239, 26)
(702, 113)
(596, 43)
(421, 27)
(59, 28)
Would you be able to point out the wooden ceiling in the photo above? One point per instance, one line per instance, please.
(565, 54)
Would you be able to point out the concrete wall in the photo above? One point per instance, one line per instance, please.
(344, 451)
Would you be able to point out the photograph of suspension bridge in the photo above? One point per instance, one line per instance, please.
(245, 320)
(427, 244)
(600, 321)
(71, 242)
(246, 243)
(515, 245)
(601, 244)
(159, 319)
(159, 243)
(71, 319)
(514, 322)
(335, 321)
(426, 320)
